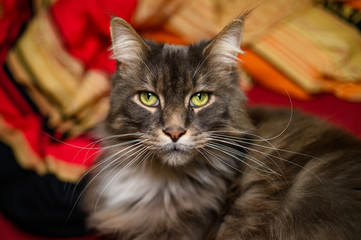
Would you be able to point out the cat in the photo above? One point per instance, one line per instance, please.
(185, 158)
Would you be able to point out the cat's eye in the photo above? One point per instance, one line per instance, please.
(149, 99)
(199, 99)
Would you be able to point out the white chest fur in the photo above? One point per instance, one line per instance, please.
(147, 198)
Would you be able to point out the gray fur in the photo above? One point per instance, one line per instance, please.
(235, 173)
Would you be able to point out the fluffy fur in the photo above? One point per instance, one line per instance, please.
(234, 173)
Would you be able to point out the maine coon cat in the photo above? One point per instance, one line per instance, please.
(184, 158)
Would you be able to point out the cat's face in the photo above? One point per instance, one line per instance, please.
(174, 97)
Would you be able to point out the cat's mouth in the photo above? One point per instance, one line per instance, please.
(175, 148)
(176, 154)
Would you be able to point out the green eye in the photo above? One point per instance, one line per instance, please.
(149, 99)
(199, 99)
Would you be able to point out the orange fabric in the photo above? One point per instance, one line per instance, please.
(267, 75)
(161, 35)
(270, 77)
(355, 3)
(344, 90)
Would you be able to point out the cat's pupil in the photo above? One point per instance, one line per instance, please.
(149, 95)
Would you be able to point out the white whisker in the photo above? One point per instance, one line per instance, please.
(218, 158)
(135, 146)
(271, 155)
(94, 142)
(109, 158)
(241, 154)
(199, 66)
(250, 157)
(139, 153)
(116, 160)
(205, 157)
(233, 154)
(272, 147)
(152, 73)
(290, 162)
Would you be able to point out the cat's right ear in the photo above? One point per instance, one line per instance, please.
(128, 47)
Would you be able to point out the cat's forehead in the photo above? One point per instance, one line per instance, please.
(178, 50)
(182, 55)
(175, 67)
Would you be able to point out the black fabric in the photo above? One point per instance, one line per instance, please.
(39, 204)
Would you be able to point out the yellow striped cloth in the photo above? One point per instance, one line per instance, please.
(73, 98)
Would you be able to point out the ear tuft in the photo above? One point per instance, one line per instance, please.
(127, 45)
(226, 46)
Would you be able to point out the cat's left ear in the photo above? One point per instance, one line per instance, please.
(225, 47)
(128, 47)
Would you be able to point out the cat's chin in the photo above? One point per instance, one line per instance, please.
(176, 158)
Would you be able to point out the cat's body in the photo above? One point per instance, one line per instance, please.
(178, 136)
(316, 192)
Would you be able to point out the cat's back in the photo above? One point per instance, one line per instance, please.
(293, 129)
(302, 180)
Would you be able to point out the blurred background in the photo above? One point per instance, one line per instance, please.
(55, 81)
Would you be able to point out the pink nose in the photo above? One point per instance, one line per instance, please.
(174, 134)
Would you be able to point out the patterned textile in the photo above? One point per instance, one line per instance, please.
(61, 66)
(318, 51)
(54, 83)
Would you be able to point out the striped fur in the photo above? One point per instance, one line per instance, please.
(293, 177)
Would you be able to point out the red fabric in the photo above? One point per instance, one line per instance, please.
(346, 115)
(14, 14)
(85, 28)
(14, 108)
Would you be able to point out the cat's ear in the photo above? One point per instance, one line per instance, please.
(128, 47)
(226, 46)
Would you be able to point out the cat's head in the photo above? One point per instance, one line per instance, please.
(173, 98)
